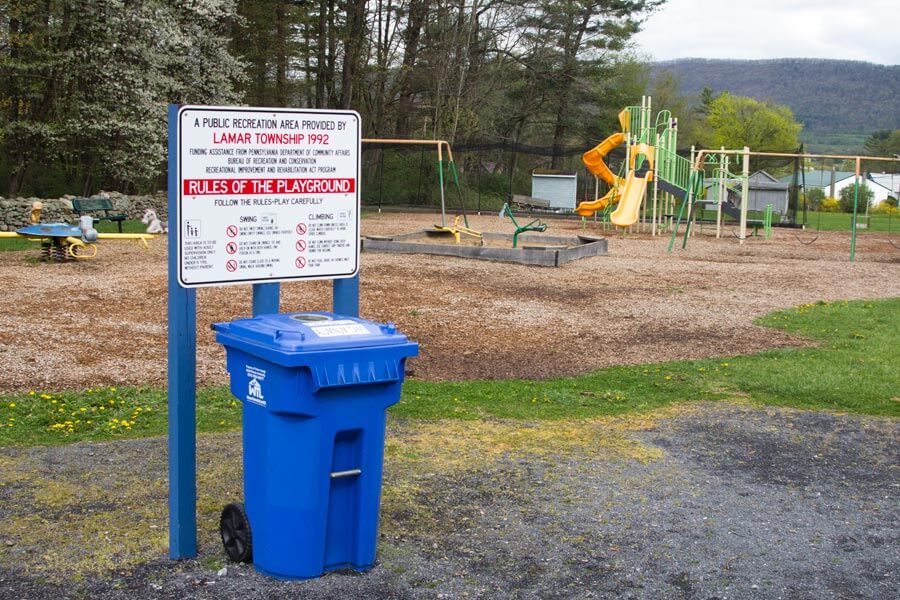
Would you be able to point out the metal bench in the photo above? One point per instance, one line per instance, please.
(91, 205)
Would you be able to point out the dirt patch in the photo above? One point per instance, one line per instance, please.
(103, 322)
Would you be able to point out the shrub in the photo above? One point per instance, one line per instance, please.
(831, 205)
(847, 194)
(814, 197)
(885, 208)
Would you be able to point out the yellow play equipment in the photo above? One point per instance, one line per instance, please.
(457, 230)
(593, 160)
(627, 192)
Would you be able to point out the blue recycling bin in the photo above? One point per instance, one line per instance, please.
(315, 388)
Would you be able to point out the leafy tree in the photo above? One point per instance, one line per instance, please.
(883, 143)
(704, 104)
(91, 81)
(737, 121)
(573, 40)
(847, 194)
(692, 127)
(32, 61)
(267, 36)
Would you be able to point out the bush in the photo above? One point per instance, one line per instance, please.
(885, 208)
(830, 205)
(814, 197)
(847, 194)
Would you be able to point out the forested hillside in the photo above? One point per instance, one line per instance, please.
(836, 100)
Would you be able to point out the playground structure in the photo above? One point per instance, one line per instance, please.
(652, 167)
(62, 242)
(651, 158)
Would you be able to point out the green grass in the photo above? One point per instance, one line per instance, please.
(15, 244)
(852, 369)
(44, 418)
(824, 221)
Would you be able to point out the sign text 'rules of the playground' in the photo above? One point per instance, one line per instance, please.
(267, 195)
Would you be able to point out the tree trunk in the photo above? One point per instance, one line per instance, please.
(281, 58)
(568, 77)
(418, 12)
(356, 27)
(321, 45)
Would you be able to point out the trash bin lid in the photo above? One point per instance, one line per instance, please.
(307, 332)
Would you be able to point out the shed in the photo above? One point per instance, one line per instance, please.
(559, 188)
(762, 189)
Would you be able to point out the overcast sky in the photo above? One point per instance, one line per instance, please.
(866, 30)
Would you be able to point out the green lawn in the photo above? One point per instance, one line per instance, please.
(852, 369)
(824, 221)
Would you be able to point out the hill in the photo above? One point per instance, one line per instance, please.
(839, 102)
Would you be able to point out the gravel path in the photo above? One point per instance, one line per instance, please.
(706, 501)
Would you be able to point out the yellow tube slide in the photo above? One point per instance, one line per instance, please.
(593, 158)
(589, 207)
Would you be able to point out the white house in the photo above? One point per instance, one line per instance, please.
(832, 182)
(891, 181)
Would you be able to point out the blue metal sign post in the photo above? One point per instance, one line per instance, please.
(182, 364)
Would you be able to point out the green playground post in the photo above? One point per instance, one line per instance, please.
(767, 221)
(441, 185)
(462, 204)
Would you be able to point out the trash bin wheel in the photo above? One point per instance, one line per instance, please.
(234, 526)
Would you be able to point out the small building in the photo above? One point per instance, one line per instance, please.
(559, 188)
(763, 189)
(832, 182)
(887, 181)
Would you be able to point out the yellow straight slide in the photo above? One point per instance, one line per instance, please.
(630, 203)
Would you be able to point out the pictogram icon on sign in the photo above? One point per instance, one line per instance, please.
(231, 231)
(231, 247)
(300, 245)
(300, 262)
(231, 265)
(301, 228)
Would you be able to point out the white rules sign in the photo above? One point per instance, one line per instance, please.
(267, 195)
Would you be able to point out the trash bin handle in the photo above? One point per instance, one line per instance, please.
(347, 473)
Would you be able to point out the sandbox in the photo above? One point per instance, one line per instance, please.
(532, 249)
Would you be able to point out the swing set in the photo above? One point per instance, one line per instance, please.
(702, 155)
(460, 224)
